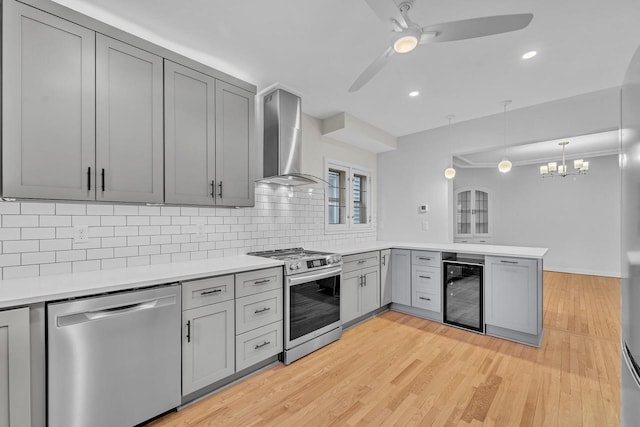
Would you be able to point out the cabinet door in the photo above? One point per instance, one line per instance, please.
(208, 345)
(385, 277)
(190, 135)
(370, 291)
(481, 213)
(235, 145)
(463, 212)
(426, 288)
(511, 300)
(350, 296)
(48, 106)
(128, 123)
(401, 276)
(15, 393)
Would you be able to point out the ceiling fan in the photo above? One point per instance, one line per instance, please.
(408, 35)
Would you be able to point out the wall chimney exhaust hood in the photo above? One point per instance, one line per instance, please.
(283, 140)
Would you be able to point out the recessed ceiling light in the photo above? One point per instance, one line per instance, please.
(530, 54)
(414, 93)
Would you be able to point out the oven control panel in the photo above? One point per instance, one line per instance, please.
(315, 263)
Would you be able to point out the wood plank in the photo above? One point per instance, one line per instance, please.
(401, 370)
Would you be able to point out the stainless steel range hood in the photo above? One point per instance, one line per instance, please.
(283, 140)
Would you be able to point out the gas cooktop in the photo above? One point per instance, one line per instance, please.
(299, 260)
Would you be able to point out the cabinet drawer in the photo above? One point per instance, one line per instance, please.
(426, 258)
(258, 310)
(359, 261)
(254, 282)
(427, 279)
(196, 293)
(255, 346)
(426, 300)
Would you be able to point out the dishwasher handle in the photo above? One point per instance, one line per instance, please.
(105, 313)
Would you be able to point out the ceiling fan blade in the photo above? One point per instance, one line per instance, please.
(372, 69)
(386, 10)
(478, 27)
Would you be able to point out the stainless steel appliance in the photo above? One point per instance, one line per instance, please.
(114, 360)
(463, 291)
(630, 237)
(311, 299)
(283, 140)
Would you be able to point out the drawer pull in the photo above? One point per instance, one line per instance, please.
(213, 291)
(425, 277)
(425, 298)
(262, 310)
(261, 282)
(261, 345)
(424, 258)
(362, 261)
(189, 331)
(508, 262)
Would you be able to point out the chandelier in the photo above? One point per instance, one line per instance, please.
(551, 169)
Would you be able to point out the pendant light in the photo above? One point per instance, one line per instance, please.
(450, 172)
(505, 165)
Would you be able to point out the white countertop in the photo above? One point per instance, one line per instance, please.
(31, 290)
(468, 248)
(16, 292)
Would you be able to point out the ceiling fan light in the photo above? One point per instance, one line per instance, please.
(504, 166)
(405, 43)
(553, 166)
(449, 173)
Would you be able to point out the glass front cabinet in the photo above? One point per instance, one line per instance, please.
(472, 211)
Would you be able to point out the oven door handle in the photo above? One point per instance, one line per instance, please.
(310, 278)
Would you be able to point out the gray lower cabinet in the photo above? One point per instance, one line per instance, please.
(426, 280)
(208, 343)
(512, 294)
(15, 392)
(360, 286)
(235, 146)
(385, 277)
(190, 135)
(129, 123)
(210, 143)
(48, 106)
(401, 276)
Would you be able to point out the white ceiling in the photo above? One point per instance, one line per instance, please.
(319, 47)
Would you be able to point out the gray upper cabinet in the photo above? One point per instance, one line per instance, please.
(235, 145)
(129, 125)
(48, 105)
(190, 135)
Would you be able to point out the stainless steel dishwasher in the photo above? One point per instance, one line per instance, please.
(114, 360)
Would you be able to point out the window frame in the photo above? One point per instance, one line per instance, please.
(350, 170)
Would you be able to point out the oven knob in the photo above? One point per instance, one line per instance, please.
(292, 267)
(330, 260)
(297, 266)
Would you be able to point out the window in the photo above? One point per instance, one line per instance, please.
(347, 196)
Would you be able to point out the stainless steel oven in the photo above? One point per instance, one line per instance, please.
(311, 300)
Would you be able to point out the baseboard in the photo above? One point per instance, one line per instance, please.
(587, 272)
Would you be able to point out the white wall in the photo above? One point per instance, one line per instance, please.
(413, 174)
(577, 218)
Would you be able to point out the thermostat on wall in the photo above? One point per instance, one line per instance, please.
(423, 208)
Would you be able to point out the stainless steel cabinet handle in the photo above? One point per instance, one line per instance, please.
(508, 262)
(89, 178)
(365, 280)
(425, 277)
(262, 310)
(213, 189)
(102, 179)
(189, 331)
(213, 291)
(361, 281)
(262, 345)
(424, 258)
(384, 260)
(425, 298)
(220, 190)
(261, 282)
(362, 261)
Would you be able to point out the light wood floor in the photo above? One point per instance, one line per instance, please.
(401, 370)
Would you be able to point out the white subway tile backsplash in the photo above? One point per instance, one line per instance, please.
(36, 238)
(19, 221)
(18, 246)
(22, 271)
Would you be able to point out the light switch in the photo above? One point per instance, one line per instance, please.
(425, 225)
